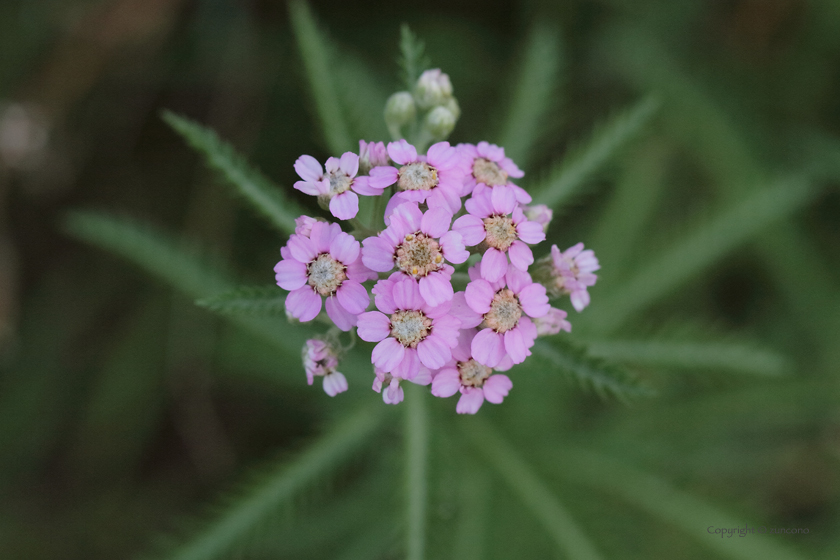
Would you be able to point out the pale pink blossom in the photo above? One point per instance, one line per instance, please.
(338, 186)
(326, 264)
(505, 309)
(418, 244)
(539, 213)
(496, 219)
(474, 380)
(371, 154)
(409, 331)
(320, 360)
(573, 273)
(434, 179)
(389, 385)
(485, 166)
(552, 322)
(303, 225)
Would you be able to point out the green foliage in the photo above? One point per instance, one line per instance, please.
(241, 517)
(573, 360)
(262, 300)
(566, 178)
(535, 94)
(413, 60)
(315, 52)
(265, 197)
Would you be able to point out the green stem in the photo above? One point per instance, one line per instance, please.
(416, 458)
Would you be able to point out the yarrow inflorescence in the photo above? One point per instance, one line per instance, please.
(447, 259)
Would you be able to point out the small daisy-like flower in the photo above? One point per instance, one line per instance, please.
(389, 385)
(552, 322)
(486, 166)
(326, 264)
(320, 360)
(539, 213)
(338, 186)
(505, 309)
(418, 244)
(495, 219)
(409, 331)
(371, 154)
(573, 273)
(475, 381)
(435, 179)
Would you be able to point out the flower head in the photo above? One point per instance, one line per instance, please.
(475, 381)
(418, 244)
(573, 272)
(539, 213)
(485, 166)
(496, 219)
(320, 359)
(552, 322)
(337, 187)
(389, 385)
(371, 154)
(324, 264)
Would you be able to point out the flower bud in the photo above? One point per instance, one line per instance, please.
(371, 154)
(400, 109)
(454, 108)
(432, 89)
(440, 122)
(552, 322)
(320, 359)
(539, 213)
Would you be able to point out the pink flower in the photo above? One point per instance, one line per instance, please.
(336, 186)
(474, 380)
(552, 322)
(371, 154)
(327, 264)
(573, 273)
(496, 219)
(393, 393)
(539, 213)
(504, 307)
(320, 360)
(409, 331)
(417, 244)
(435, 179)
(303, 225)
(485, 166)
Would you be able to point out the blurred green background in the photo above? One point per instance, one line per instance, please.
(126, 411)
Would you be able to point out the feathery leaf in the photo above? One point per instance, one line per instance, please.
(264, 196)
(413, 60)
(573, 360)
(535, 93)
(534, 493)
(262, 300)
(315, 50)
(567, 177)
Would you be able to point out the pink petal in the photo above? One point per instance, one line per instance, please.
(580, 299)
(408, 216)
(302, 248)
(520, 255)
(534, 300)
(308, 168)
(290, 274)
(462, 351)
(447, 328)
(394, 394)
(441, 155)
(434, 352)
(353, 297)
(358, 272)
(503, 200)
(402, 152)
(452, 245)
(383, 296)
(529, 331)
(479, 206)
(494, 264)
(505, 364)
(320, 236)
(407, 294)
(463, 312)
(471, 229)
(349, 164)
(479, 294)
(332, 165)
(304, 304)
(388, 354)
(342, 318)
(488, 347)
(373, 326)
(515, 346)
(446, 383)
(446, 195)
(362, 185)
(345, 206)
(312, 188)
(435, 222)
(471, 400)
(409, 367)
(344, 248)
(378, 254)
(530, 232)
(517, 279)
(382, 177)
(496, 388)
(522, 196)
(436, 289)
(423, 377)
(335, 383)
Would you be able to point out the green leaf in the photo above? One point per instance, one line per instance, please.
(566, 178)
(534, 493)
(728, 356)
(262, 300)
(413, 60)
(264, 196)
(535, 93)
(702, 247)
(673, 507)
(288, 479)
(573, 360)
(416, 461)
(315, 52)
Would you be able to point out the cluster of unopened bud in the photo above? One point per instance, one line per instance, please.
(431, 100)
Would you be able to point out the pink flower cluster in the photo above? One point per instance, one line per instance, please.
(447, 205)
